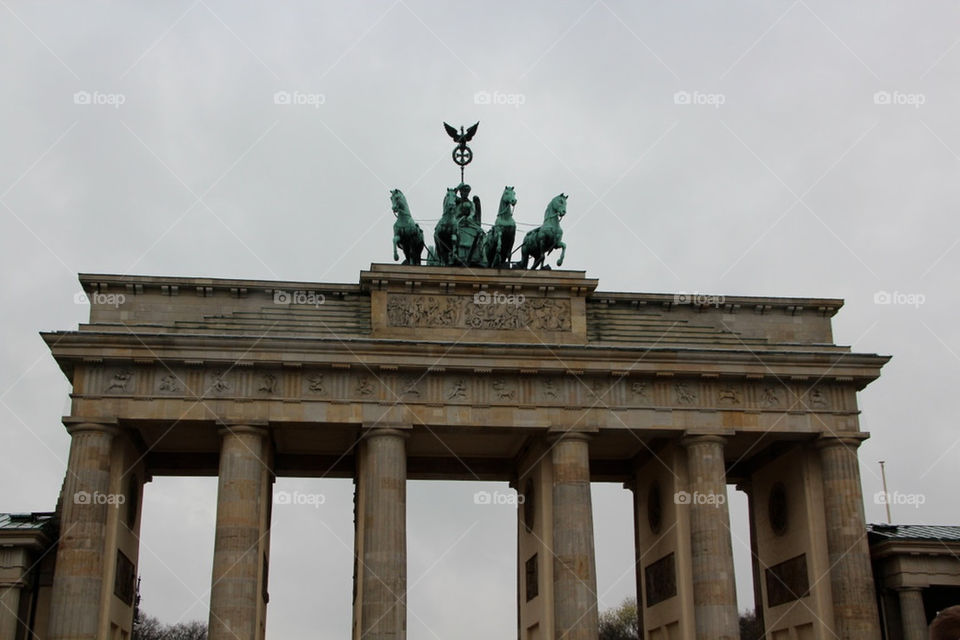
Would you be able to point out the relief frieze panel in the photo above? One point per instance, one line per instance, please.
(471, 312)
(476, 388)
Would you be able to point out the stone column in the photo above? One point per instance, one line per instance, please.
(574, 565)
(912, 616)
(75, 605)
(10, 595)
(711, 547)
(747, 488)
(383, 482)
(851, 577)
(236, 591)
(639, 511)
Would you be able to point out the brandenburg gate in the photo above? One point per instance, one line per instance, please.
(425, 372)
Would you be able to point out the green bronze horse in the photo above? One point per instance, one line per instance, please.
(445, 233)
(498, 242)
(541, 241)
(407, 234)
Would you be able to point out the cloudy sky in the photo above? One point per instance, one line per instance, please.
(745, 147)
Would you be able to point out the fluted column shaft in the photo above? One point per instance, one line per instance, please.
(383, 479)
(9, 607)
(851, 577)
(75, 605)
(574, 564)
(912, 616)
(711, 547)
(237, 590)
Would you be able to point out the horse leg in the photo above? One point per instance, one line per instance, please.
(396, 240)
(563, 252)
(440, 248)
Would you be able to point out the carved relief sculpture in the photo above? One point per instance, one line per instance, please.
(503, 390)
(538, 314)
(770, 396)
(315, 383)
(684, 394)
(364, 386)
(268, 383)
(220, 384)
(457, 390)
(728, 395)
(120, 380)
(169, 383)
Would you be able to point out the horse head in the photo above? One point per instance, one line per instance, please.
(398, 203)
(507, 202)
(449, 202)
(557, 208)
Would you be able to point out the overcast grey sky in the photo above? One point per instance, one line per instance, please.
(761, 147)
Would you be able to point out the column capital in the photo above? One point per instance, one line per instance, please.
(703, 437)
(377, 430)
(560, 435)
(239, 427)
(78, 424)
(850, 440)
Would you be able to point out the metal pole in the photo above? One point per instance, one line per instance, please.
(886, 494)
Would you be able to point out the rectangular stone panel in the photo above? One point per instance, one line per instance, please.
(532, 578)
(787, 581)
(484, 310)
(124, 583)
(660, 579)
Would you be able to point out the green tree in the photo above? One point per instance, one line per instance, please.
(149, 628)
(750, 627)
(620, 623)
